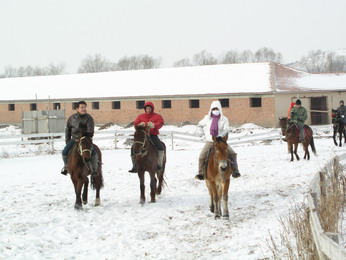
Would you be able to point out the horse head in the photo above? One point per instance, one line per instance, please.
(283, 125)
(85, 145)
(140, 140)
(221, 152)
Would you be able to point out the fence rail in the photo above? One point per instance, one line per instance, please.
(326, 242)
(117, 135)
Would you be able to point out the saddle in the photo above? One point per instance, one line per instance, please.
(297, 131)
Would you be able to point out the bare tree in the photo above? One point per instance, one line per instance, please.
(204, 58)
(230, 57)
(95, 63)
(246, 56)
(138, 62)
(265, 55)
(182, 63)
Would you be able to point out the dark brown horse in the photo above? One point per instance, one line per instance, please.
(218, 177)
(78, 167)
(338, 128)
(147, 160)
(291, 131)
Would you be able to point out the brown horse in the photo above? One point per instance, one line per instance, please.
(146, 160)
(218, 177)
(291, 131)
(78, 167)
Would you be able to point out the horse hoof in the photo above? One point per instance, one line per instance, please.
(142, 201)
(226, 217)
(217, 217)
(97, 202)
(78, 207)
(85, 202)
(153, 201)
(211, 210)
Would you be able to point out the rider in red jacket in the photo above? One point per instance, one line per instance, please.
(155, 122)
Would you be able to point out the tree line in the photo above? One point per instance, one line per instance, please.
(316, 61)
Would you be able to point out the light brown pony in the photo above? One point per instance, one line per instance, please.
(78, 167)
(218, 177)
(146, 160)
(291, 131)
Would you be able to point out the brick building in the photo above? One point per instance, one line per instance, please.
(256, 93)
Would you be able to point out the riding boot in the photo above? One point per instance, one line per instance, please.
(134, 167)
(64, 169)
(160, 160)
(94, 164)
(234, 165)
(200, 175)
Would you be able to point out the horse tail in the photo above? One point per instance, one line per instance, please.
(312, 144)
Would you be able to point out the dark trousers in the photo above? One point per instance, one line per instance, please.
(157, 142)
(69, 146)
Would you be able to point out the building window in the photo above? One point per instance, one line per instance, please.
(255, 102)
(11, 107)
(166, 104)
(95, 105)
(56, 106)
(33, 107)
(194, 103)
(140, 104)
(224, 102)
(74, 105)
(116, 105)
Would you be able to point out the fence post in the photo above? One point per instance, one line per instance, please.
(115, 140)
(172, 140)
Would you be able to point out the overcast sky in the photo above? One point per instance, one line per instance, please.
(39, 32)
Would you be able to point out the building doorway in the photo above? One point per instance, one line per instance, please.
(319, 110)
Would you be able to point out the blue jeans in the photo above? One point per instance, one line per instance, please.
(69, 146)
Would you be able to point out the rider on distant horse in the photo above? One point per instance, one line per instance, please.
(341, 112)
(298, 117)
(155, 122)
(215, 124)
(73, 131)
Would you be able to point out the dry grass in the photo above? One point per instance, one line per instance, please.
(295, 239)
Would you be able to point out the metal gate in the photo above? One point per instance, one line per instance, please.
(43, 121)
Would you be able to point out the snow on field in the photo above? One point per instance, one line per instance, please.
(38, 220)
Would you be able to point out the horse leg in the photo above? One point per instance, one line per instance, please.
(78, 190)
(225, 187)
(334, 135)
(295, 151)
(211, 203)
(142, 186)
(98, 188)
(215, 200)
(159, 186)
(340, 138)
(85, 191)
(153, 182)
(306, 150)
(290, 150)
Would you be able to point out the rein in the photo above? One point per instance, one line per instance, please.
(142, 151)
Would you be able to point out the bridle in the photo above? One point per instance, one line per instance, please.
(143, 151)
(80, 148)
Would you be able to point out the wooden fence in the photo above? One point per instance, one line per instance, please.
(326, 242)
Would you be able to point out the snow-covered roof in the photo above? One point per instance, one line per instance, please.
(215, 79)
(202, 80)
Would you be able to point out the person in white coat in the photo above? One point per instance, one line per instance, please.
(215, 124)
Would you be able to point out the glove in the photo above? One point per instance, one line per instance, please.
(342, 116)
(141, 124)
(151, 124)
(294, 121)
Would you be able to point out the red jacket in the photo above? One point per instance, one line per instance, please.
(152, 117)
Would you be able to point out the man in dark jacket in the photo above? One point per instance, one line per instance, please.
(341, 112)
(76, 124)
(155, 122)
(298, 116)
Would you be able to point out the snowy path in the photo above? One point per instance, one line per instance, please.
(38, 221)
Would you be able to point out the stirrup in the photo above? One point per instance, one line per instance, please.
(199, 177)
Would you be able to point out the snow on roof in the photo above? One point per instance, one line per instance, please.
(214, 79)
(202, 80)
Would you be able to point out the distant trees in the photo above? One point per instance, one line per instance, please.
(97, 63)
(318, 61)
(28, 71)
(230, 57)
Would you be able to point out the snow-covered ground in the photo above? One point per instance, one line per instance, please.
(38, 220)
